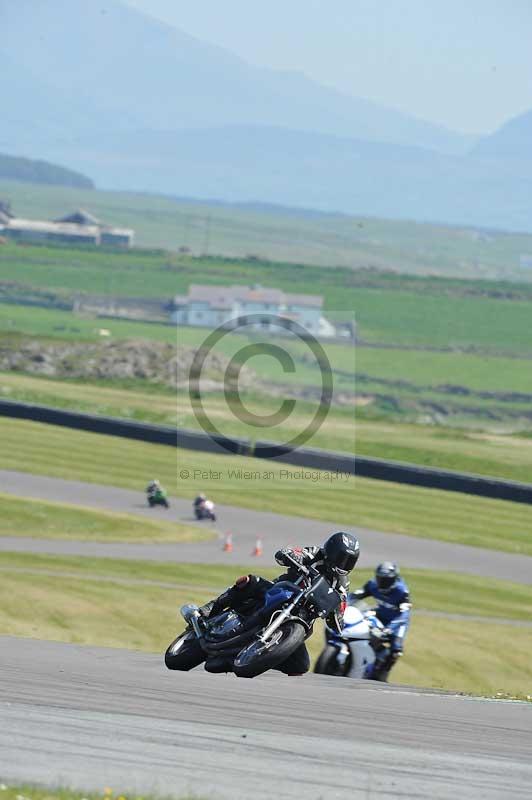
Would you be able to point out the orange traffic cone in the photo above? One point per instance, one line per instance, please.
(257, 551)
(228, 543)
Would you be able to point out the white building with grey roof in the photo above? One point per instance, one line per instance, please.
(212, 306)
(78, 227)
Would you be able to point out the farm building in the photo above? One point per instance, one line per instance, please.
(76, 228)
(211, 306)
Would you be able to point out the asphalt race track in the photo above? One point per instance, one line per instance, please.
(245, 525)
(91, 717)
(94, 717)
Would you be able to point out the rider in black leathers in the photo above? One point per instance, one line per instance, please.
(335, 560)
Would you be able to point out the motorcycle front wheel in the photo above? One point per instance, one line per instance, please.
(327, 663)
(259, 657)
(184, 653)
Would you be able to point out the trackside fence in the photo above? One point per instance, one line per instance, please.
(309, 458)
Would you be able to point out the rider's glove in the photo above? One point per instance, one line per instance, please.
(287, 556)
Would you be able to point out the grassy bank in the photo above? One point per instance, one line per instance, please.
(428, 513)
(20, 516)
(133, 605)
(31, 792)
(345, 429)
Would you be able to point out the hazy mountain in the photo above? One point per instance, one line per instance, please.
(137, 104)
(513, 140)
(103, 65)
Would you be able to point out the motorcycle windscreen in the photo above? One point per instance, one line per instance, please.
(323, 598)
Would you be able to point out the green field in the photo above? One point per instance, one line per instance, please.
(443, 351)
(43, 520)
(389, 309)
(460, 390)
(122, 605)
(441, 374)
(293, 236)
(428, 513)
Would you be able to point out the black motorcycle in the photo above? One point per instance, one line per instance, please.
(252, 643)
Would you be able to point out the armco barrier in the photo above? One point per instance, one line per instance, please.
(398, 472)
(375, 468)
(156, 434)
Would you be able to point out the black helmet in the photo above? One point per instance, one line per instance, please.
(341, 551)
(386, 574)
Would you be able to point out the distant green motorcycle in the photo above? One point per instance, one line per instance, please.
(158, 497)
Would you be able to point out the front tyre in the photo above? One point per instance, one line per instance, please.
(327, 663)
(184, 653)
(259, 657)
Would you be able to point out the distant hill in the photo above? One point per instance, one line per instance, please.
(161, 111)
(148, 75)
(513, 140)
(29, 171)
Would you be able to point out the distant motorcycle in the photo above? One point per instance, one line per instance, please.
(205, 510)
(158, 497)
(252, 643)
(358, 650)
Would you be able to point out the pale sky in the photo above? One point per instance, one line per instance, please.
(466, 64)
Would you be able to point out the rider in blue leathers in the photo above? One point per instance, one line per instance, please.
(393, 610)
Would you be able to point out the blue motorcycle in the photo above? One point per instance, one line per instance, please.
(252, 643)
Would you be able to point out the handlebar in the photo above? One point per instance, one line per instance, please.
(301, 567)
(310, 572)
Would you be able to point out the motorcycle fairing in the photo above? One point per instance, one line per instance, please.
(279, 593)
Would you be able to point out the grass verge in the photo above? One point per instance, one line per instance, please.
(43, 520)
(427, 513)
(27, 792)
(116, 603)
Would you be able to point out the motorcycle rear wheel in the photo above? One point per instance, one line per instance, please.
(184, 653)
(259, 657)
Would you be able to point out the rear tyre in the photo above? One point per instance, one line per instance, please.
(184, 653)
(327, 663)
(258, 657)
